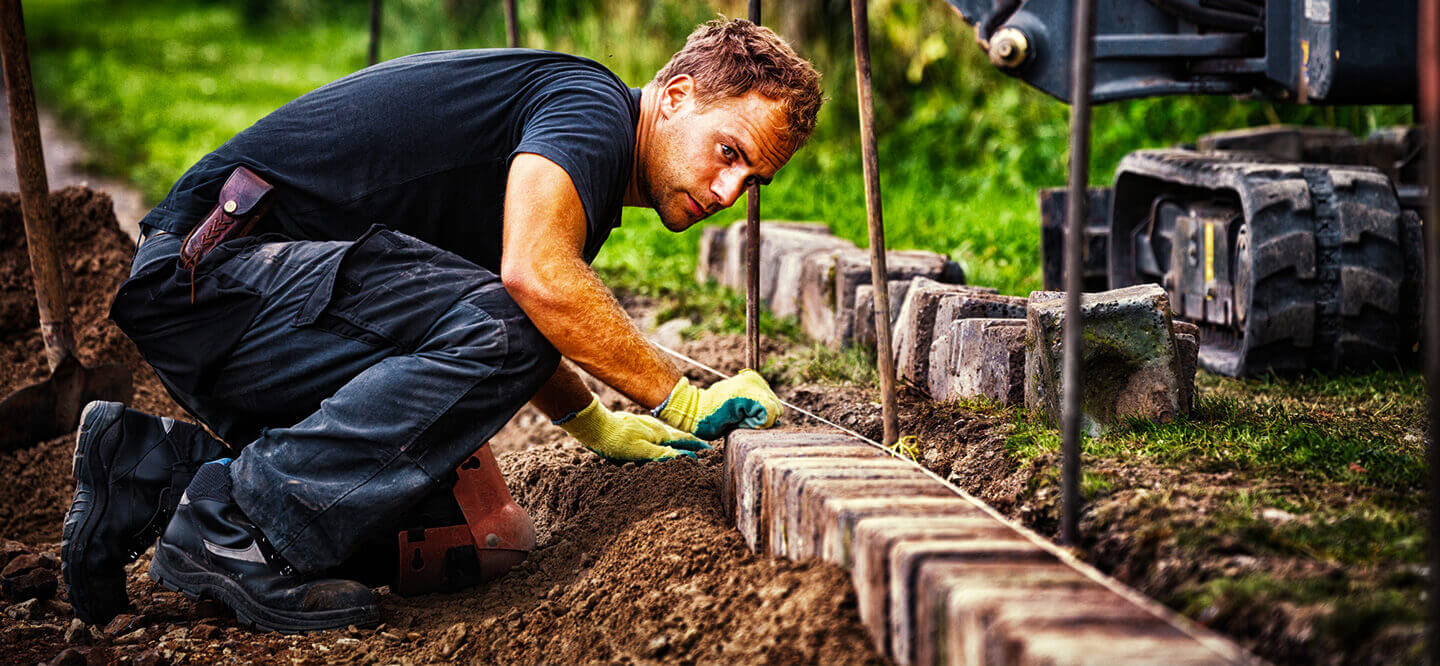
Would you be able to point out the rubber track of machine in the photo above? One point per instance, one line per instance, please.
(1371, 270)
(1279, 335)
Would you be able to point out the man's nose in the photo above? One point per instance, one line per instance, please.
(728, 187)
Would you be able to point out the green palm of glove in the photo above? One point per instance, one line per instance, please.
(622, 436)
(742, 401)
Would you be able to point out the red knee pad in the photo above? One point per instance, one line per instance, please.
(497, 535)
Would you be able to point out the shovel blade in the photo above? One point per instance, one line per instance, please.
(51, 408)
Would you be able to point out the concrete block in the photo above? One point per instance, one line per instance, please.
(817, 296)
(1187, 354)
(938, 579)
(924, 317)
(1128, 364)
(781, 481)
(712, 255)
(872, 541)
(864, 324)
(816, 530)
(906, 558)
(783, 237)
(852, 269)
(836, 518)
(988, 361)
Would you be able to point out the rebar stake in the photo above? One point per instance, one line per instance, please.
(885, 355)
(752, 255)
(374, 56)
(512, 25)
(1081, 72)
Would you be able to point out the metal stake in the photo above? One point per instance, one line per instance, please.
(1429, 86)
(752, 255)
(374, 31)
(512, 24)
(1081, 74)
(885, 355)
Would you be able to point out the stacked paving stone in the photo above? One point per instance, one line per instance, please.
(938, 578)
(953, 341)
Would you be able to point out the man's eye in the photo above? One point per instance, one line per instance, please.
(728, 152)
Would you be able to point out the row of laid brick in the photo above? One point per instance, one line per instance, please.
(939, 578)
(957, 341)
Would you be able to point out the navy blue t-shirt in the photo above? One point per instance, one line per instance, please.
(422, 144)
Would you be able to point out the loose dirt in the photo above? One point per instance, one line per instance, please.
(635, 564)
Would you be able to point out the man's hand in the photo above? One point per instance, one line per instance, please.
(624, 436)
(742, 401)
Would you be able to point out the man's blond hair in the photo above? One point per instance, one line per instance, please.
(730, 58)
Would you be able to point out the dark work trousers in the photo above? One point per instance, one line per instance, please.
(355, 375)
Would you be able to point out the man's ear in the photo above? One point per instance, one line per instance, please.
(677, 95)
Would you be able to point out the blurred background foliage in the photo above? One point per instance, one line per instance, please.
(155, 84)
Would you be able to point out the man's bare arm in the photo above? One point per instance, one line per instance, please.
(565, 393)
(542, 268)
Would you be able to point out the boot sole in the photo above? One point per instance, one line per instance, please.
(177, 571)
(89, 589)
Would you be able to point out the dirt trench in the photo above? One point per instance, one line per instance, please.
(636, 563)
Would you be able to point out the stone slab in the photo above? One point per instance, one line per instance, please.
(1187, 354)
(906, 558)
(781, 480)
(1049, 642)
(837, 517)
(873, 539)
(989, 623)
(988, 361)
(733, 272)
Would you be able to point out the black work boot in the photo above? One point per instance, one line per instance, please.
(130, 469)
(210, 549)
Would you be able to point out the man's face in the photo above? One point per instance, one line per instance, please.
(702, 159)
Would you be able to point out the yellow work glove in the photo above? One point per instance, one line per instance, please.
(742, 401)
(624, 436)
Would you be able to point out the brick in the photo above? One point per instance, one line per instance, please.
(740, 443)
(752, 515)
(711, 265)
(1127, 361)
(928, 307)
(779, 477)
(873, 539)
(852, 269)
(811, 519)
(747, 452)
(864, 324)
(906, 558)
(1041, 641)
(937, 579)
(988, 361)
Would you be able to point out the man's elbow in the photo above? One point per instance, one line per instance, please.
(528, 289)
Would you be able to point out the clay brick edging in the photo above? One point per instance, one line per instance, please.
(940, 577)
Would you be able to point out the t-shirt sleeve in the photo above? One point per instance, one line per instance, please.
(588, 130)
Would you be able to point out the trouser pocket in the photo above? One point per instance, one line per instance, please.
(389, 288)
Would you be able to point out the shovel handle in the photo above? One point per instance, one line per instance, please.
(50, 298)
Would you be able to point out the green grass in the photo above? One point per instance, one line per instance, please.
(1309, 427)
